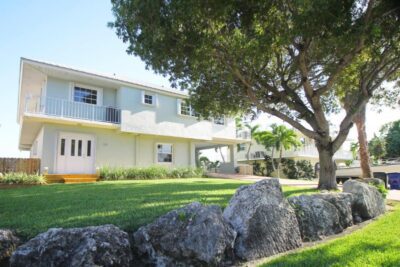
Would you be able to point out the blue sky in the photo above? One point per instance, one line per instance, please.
(74, 33)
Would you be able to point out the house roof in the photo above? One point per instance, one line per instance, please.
(117, 79)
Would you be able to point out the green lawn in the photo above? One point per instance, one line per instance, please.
(378, 244)
(128, 204)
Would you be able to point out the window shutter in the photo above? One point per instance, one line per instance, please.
(178, 106)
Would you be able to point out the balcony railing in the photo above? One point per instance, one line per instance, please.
(63, 108)
(303, 151)
(243, 134)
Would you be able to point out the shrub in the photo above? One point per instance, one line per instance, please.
(381, 188)
(301, 169)
(153, 172)
(22, 178)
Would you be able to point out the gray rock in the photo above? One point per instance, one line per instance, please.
(367, 200)
(317, 217)
(342, 202)
(194, 235)
(8, 243)
(265, 222)
(103, 245)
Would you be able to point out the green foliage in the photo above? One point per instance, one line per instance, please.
(381, 188)
(393, 140)
(348, 162)
(376, 148)
(22, 178)
(258, 169)
(298, 169)
(154, 172)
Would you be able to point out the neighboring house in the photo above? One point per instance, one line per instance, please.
(76, 121)
(307, 151)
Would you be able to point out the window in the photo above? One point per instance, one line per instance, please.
(79, 148)
(219, 120)
(62, 150)
(84, 95)
(241, 147)
(89, 148)
(73, 147)
(148, 99)
(186, 109)
(164, 153)
(259, 154)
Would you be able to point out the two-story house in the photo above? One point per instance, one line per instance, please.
(76, 121)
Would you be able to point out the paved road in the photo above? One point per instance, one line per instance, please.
(392, 195)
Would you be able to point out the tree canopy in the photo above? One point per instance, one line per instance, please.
(278, 57)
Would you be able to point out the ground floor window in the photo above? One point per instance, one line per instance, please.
(164, 153)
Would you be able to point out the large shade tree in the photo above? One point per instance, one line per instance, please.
(279, 57)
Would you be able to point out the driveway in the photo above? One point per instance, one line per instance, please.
(392, 195)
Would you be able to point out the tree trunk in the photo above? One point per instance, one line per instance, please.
(359, 120)
(248, 152)
(327, 170)
(222, 155)
(280, 161)
(272, 157)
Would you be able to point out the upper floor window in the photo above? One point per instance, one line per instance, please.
(219, 120)
(149, 99)
(186, 109)
(84, 95)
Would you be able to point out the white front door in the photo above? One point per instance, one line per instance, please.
(75, 153)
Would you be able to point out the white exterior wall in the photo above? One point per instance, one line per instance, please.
(117, 149)
(37, 147)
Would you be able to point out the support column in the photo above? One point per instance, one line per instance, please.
(193, 154)
(232, 155)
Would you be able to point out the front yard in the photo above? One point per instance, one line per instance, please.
(127, 204)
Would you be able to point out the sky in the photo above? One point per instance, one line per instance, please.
(75, 33)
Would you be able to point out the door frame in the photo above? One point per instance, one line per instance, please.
(58, 144)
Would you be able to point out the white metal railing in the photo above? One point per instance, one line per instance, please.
(243, 134)
(305, 151)
(69, 109)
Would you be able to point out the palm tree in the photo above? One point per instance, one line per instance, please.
(267, 139)
(284, 138)
(253, 130)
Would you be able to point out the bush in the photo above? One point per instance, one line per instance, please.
(21, 178)
(154, 172)
(301, 169)
(381, 188)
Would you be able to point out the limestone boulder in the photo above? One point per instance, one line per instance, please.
(367, 202)
(264, 220)
(317, 217)
(8, 243)
(342, 202)
(195, 235)
(103, 245)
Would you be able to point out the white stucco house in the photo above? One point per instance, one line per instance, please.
(76, 121)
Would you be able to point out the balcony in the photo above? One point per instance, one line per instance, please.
(243, 134)
(309, 151)
(62, 108)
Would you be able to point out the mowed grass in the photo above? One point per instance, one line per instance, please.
(127, 204)
(378, 244)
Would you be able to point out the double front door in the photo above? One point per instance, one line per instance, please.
(75, 153)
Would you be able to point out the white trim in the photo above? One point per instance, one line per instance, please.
(154, 99)
(156, 154)
(99, 100)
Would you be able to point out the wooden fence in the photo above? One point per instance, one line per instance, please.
(26, 165)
